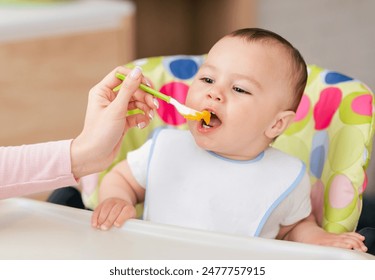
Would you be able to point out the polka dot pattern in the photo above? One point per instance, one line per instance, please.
(325, 108)
(361, 190)
(341, 199)
(303, 116)
(182, 67)
(337, 139)
(168, 112)
(319, 152)
(341, 192)
(348, 148)
(361, 105)
(303, 108)
(332, 78)
(356, 108)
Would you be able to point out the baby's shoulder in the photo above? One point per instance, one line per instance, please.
(283, 161)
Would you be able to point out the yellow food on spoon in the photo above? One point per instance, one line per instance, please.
(186, 112)
(205, 115)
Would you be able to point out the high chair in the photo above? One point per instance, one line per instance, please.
(332, 133)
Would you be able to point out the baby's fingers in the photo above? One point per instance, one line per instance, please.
(356, 235)
(128, 212)
(358, 245)
(95, 216)
(107, 221)
(104, 212)
(354, 241)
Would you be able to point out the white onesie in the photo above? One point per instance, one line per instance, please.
(191, 187)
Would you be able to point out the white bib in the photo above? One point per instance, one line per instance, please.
(188, 186)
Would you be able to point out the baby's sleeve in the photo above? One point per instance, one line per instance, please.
(138, 162)
(294, 208)
(299, 202)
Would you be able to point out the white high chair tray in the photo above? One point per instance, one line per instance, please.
(32, 229)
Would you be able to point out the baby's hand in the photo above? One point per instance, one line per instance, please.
(347, 240)
(112, 212)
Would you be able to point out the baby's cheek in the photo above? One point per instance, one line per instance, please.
(192, 99)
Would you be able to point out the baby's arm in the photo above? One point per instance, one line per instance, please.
(308, 231)
(118, 194)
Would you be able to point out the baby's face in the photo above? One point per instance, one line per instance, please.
(245, 85)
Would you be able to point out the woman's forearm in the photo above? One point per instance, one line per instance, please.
(35, 168)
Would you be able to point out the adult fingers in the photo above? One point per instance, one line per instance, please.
(128, 88)
(139, 120)
(141, 106)
(110, 80)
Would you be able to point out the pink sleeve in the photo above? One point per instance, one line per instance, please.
(35, 168)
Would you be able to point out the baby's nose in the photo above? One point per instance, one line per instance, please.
(216, 96)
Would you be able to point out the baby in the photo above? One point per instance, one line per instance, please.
(223, 176)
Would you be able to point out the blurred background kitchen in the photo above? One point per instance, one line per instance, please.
(53, 52)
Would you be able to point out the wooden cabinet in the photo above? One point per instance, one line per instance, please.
(166, 27)
(50, 57)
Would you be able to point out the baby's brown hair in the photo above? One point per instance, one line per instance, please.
(298, 75)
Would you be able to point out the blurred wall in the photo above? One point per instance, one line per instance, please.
(167, 27)
(335, 34)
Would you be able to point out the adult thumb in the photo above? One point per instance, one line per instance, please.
(128, 88)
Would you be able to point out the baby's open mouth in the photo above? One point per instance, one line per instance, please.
(214, 121)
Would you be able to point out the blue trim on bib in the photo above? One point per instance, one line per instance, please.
(280, 199)
(258, 157)
(154, 136)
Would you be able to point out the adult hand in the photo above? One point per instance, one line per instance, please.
(106, 122)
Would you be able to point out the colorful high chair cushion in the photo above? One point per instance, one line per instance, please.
(332, 134)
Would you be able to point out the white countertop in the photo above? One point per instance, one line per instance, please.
(32, 229)
(18, 22)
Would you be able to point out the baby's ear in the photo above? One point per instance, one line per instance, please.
(280, 123)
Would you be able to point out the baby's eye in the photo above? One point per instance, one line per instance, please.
(207, 80)
(240, 90)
